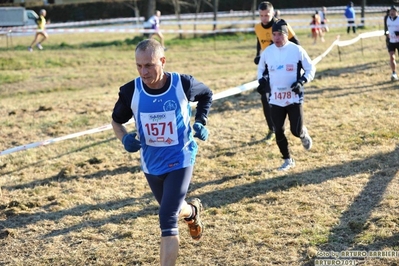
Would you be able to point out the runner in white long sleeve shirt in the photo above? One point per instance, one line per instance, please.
(284, 67)
(392, 26)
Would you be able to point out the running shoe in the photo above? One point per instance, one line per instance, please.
(306, 139)
(195, 225)
(288, 163)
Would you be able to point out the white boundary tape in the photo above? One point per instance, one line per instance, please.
(164, 31)
(229, 92)
(337, 42)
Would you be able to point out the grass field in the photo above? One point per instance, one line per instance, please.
(85, 201)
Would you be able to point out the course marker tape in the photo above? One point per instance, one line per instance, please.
(217, 96)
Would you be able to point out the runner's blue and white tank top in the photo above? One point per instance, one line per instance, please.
(163, 126)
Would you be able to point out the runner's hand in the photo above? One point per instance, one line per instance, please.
(201, 131)
(297, 87)
(130, 142)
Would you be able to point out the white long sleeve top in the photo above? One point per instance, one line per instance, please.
(285, 65)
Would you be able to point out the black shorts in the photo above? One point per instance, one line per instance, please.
(392, 47)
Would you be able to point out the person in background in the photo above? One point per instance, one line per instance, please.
(287, 67)
(323, 19)
(350, 15)
(277, 13)
(40, 31)
(316, 28)
(263, 31)
(392, 26)
(159, 103)
(154, 20)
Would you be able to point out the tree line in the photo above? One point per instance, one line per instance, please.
(146, 8)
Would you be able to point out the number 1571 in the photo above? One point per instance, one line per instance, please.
(156, 129)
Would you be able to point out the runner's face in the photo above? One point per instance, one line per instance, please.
(279, 38)
(266, 15)
(393, 13)
(150, 67)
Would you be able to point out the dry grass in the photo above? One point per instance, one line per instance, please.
(85, 201)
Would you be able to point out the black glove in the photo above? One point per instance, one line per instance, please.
(256, 60)
(264, 86)
(297, 86)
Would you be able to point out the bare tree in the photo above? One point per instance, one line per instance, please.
(151, 5)
(177, 4)
(254, 8)
(135, 8)
(198, 4)
(215, 13)
(136, 11)
(362, 12)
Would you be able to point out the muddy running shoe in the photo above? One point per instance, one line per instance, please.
(270, 136)
(195, 225)
(288, 163)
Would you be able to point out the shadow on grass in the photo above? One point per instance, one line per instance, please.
(61, 177)
(23, 220)
(33, 184)
(352, 222)
(147, 198)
